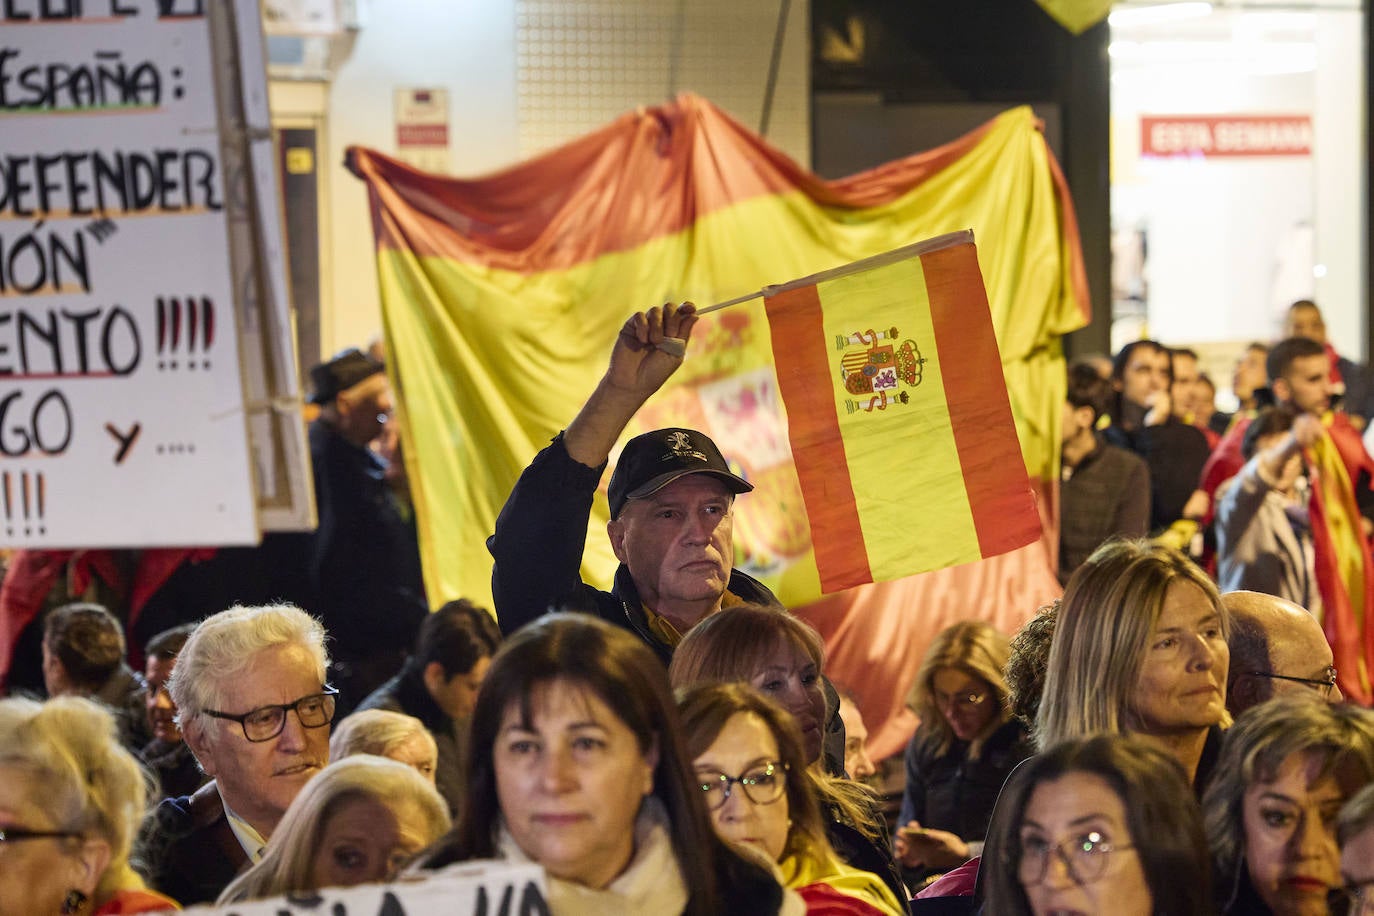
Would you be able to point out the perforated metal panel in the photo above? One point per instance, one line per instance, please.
(582, 63)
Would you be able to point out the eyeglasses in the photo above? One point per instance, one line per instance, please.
(1324, 686)
(267, 722)
(15, 834)
(959, 700)
(762, 785)
(1359, 897)
(1084, 856)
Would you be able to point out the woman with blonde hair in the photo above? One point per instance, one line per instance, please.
(1140, 648)
(1286, 768)
(358, 822)
(782, 656)
(967, 743)
(754, 777)
(386, 734)
(71, 802)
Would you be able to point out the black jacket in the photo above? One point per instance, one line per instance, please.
(537, 548)
(364, 558)
(947, 791)
(189, 851)
(538, 544)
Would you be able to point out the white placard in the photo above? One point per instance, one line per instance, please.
(471, 889)
(121, 407)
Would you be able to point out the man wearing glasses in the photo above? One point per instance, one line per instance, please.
(1276, 646)
(254, 708)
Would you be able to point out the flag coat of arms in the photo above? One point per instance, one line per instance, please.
(901, 428)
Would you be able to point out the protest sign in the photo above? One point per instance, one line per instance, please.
(469, 889)
(122, 413)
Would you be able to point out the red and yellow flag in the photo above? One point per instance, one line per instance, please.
(503, 294)
(901, 430)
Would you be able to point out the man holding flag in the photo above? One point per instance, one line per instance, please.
(671, 500)
(671, 504)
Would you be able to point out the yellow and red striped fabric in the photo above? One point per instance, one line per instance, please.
(502, 296)
(902, 436)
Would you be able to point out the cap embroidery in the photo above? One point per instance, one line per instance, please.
(681, 444)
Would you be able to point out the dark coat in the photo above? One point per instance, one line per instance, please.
(364, 557)
(947, 791)
(1175, 453)
(190, 851)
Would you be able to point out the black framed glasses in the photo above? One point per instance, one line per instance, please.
(267, 722)
(1324, 685)
(762, 785)
(15, 834)
(1084, 856)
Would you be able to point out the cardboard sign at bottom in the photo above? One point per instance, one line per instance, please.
(470, 889)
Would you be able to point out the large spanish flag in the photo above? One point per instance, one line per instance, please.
(901, 430)
(502, 296)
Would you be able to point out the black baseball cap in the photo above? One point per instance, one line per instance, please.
(341, 373)
(653, 460)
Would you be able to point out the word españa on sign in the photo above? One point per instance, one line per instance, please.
(106, 82)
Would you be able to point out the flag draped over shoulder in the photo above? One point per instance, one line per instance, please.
(1343, 564)
(902, 437)
(501, 298)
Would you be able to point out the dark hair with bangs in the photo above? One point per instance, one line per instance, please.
(706, 708)
(614, 666)
(1161, 814)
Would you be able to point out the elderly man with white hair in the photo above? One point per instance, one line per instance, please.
(253, 705)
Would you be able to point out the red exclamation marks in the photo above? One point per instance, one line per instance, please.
(198, 318)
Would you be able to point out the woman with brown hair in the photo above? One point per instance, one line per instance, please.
(966, 745)
(782, 657)
(577, 763)
(754, 777)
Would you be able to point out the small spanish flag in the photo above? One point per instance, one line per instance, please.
(898, 415)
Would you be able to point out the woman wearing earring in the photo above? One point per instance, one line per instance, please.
(1286, 768)
(71, 801)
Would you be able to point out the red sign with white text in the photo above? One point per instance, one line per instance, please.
(1225, 136)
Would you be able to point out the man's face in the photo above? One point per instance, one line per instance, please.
(678, 544)
(1300, 650)
(365, 409)
(259, 779)
(1184, 390)
(457, 695)
(1146, 374)
(1306, 321)
(1250, 373)
(158, 703)
(1307, 384)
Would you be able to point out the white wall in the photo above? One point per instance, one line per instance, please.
(522, 76)
(467, 46)
(1215, 227)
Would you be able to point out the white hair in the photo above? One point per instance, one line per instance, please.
(376, 731)
(225, 644)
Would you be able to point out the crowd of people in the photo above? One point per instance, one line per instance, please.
(1149, 743)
